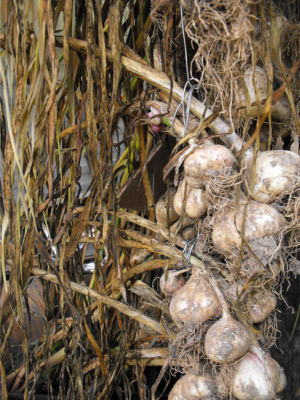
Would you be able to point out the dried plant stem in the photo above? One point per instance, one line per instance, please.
(138, 270)
(123, 308)
(162, 82)
(145, 175)
(145, 223)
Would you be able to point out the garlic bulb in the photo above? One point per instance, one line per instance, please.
(186, 223)
(258, 377)
(262, 221)
(276, 172)
(195, 302)
(154, 111)
(194, 387)
(281, 377)
(260, 305)
(139, 256)
(227, 340)
(156, 128)
(203, 160)
(174, 282)
(260, 78)
(281, 110)
(196, 201)
(189, 233)
(161, 211)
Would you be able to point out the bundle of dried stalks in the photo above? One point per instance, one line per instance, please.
(73, 73)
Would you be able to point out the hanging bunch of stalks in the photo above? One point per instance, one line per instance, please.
(189, 213)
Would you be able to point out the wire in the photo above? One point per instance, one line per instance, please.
(187, 251)
(188, 87)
